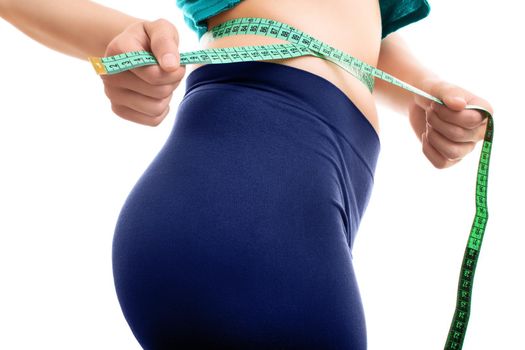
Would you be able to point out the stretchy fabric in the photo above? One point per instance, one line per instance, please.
(239, 233)
(395, 14)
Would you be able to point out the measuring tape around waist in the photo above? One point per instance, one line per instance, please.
(301, 44)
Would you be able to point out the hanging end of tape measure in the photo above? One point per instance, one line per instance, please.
(97, 64)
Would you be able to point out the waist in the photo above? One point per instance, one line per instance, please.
(365, 49)
(283, 104)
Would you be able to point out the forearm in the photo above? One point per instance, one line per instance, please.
(79, 28)
(396, 59)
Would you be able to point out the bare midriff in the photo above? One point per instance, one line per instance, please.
(352, 26)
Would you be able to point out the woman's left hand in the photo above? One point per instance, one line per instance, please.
(450, 131)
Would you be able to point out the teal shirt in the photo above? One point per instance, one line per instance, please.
(394, 13)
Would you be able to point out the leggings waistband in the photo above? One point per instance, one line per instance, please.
(307, 89)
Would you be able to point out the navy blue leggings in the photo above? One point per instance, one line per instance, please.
(239, 233)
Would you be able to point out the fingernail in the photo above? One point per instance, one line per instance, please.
(169, 60)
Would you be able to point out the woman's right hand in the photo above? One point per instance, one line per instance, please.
(142, 95)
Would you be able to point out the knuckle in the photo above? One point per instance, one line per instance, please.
(457, 134)
(149, 122)
(439, 163)
(486, 105)
(431, 136)
(106, 80)
(435, 162)
(155, 121)
(164, 91)
(115, 47)
(110, 49)
(477, 116)
(179, 74)
(158, 107)
(166, 23)
(470, 147)
(119, 111)
(165, 27)
(453, 152)
(148, 78)
(429, 115)
(109, 91)
(111, 79)
(162, 21)
(473, 119)
(123, 112)
(153, 76)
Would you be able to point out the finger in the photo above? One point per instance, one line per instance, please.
(465, 118)
(132, 82)
(453, 96)
(478, 101)
(454, 100)
(164, 42)
(480, 133)
(448, 149)
(137, 39)
(417, 118)
(137, 117)
(433, 155)
(451, 131)
(140, 103)
(426, 85)
(154, 75)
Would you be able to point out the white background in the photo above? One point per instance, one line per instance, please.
(67, 164)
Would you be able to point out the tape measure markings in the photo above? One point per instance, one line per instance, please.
(301, 44)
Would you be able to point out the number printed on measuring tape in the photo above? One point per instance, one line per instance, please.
(301, 44)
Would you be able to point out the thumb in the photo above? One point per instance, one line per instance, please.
(164, 42)
(450, 94)
(454, 101)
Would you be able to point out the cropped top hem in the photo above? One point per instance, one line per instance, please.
(395, 14)
(196, 17)
(414, 11)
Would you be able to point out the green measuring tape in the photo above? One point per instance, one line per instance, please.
(301, 44)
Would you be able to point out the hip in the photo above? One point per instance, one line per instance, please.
(238, 235)
(278, 129)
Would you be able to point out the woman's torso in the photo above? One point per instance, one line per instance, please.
(353, 26)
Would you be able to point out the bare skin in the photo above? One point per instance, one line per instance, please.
(359, 34)
(354, 26)
(142, 95)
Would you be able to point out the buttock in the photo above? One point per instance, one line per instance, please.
(239, 233)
